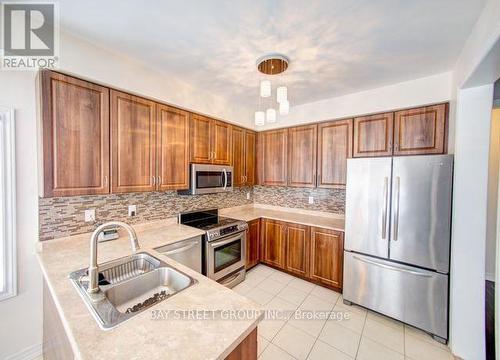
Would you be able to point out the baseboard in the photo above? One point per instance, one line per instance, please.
(490, 277)
(30, 353)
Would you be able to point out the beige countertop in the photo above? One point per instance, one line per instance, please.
(299, 216)
(142, 337)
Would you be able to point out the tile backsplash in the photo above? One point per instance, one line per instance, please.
(64, 216)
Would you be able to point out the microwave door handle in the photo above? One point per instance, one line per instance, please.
(225, 178)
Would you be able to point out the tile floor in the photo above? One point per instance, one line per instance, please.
(361, 334)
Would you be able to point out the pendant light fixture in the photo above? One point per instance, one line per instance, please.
(265, 88)
(271, 115)
(260, 118)
(281, 94)
(284, 107)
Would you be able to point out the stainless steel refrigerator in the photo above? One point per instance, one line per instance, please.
(397, 238)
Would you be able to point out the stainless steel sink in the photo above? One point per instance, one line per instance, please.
(129, 286)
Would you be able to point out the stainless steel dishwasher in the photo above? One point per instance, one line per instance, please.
(187, 252)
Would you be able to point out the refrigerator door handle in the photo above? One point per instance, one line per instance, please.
(384, 208)
(391, 267)
(396, 209)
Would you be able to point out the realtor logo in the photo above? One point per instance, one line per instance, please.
(29, 35)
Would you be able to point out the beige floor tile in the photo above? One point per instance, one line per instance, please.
(322, 351)
(371, 350)
(311, 302)
(292, 295)
(351, 320)
(285, 308)
(281, 277)
(384, 320)
(261, 344)
(418, 349)
(263, 270)
(301, 285)
(271, 286)
(272, 352)
(243, 288)
(422, 335)
(388, 336)
(269, 328)
(325, 294)
(253, 279)
(355, 308)
(312, 327)
(340, 338)
(296, 342)
(259, 296)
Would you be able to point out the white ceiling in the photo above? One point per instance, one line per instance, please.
(336, 47)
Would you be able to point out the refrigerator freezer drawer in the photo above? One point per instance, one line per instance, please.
(412, 295)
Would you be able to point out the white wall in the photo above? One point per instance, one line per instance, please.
(21, 316)
(423, 91)
(491, 221)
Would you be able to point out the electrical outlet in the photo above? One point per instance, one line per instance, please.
(248, 196)
(311, 200)
(132, 210)
(90, 215)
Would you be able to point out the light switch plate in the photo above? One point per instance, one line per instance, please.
(311, 200)
(132, 210)
(90, 215)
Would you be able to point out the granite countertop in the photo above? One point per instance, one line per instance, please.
(305, 217)
(144, 336)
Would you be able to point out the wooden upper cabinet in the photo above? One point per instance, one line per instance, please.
(302, 156)
(327, 247)
(273, 244)
(298, 246)
(373, 135)
(133, 143)
(201, 139)
(250, 153)
(253, 243)
(334, 148)
(221, 143)
(420, 131)
(272, 158)
(173, 148)
(238, 135)
(75, 126)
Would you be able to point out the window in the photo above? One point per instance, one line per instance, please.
(8, 286)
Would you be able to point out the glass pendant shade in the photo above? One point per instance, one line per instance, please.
(260, 118)
(271, 115)
(284, 107)
(281, 94)
(265, 88)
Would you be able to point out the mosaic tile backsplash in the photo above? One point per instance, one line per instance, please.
(329, 200)
(64, 216)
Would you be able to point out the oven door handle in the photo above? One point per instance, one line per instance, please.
(216, 244)
(225, 178)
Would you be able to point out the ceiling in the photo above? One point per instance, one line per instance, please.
(336, 47)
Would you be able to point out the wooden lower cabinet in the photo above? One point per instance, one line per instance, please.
(273, 243)
(327, 248)
(252, 247)
(246, 350)
(298, 240)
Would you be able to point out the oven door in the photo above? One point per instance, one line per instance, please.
(226, 255)
(207, 179)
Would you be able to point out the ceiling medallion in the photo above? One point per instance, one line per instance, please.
(269, 66)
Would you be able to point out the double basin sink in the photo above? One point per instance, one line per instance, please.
(128, 286)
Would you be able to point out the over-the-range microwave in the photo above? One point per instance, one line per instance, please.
(207, 179)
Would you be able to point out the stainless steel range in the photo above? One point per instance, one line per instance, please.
(224, 245)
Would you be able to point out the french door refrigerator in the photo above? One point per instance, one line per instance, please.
(397, 238)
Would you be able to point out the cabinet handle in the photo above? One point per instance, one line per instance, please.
(154, 180)
(390, 145)
(105, 180)
(215, 155)
(159, 180)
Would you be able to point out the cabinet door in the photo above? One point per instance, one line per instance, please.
(327, 256)
(253, 241)
(273, 243)
(75, 123)
(298, 247)
(249, 157)
(334, 148)
(420, 131)
(373, 135)
(302, 156)
(133, 143)
(221, 145)
(273, 157)
(238, 135)
(200, 139)
(173, 148)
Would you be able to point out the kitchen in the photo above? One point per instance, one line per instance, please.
(171, 224)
